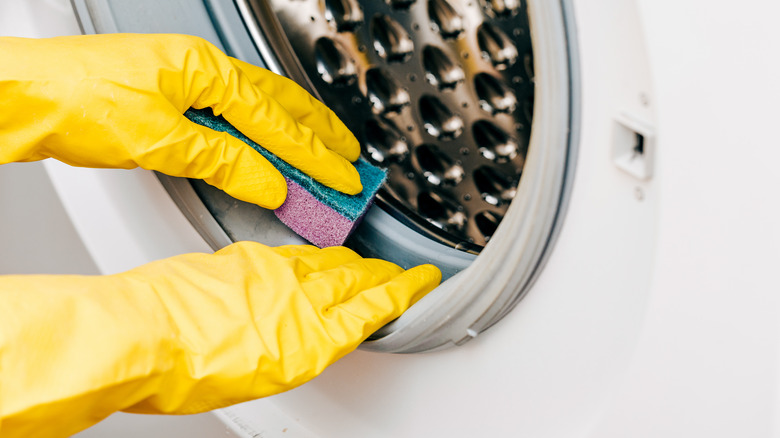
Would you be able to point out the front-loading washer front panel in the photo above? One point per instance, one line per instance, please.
(557, 355)
(615, 339)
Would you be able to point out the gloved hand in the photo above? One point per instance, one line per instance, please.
(117, 101)
(194, 332)
(187, 334)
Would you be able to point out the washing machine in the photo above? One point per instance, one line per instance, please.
(594, 178)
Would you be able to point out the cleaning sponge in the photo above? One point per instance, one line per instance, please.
(319, 214)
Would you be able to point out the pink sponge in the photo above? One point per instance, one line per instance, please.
(319, 214)
(313, 220)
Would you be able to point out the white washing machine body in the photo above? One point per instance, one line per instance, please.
(657, 311)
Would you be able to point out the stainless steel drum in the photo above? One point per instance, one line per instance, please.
(440, 92)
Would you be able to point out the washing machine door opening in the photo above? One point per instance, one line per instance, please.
(470, 105)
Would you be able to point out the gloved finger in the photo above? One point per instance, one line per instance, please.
(307, 262)
(371, 309)
(219, 159)
(332, 287)
(305, 108)
(264, 120)
(302, 259)
(294, 250)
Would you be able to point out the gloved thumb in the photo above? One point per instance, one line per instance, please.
(221, 160)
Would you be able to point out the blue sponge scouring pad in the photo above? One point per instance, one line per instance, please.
(319, 214)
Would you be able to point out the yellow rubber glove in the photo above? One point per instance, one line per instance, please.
(117, 101)
(187, 334)
(197, 331)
